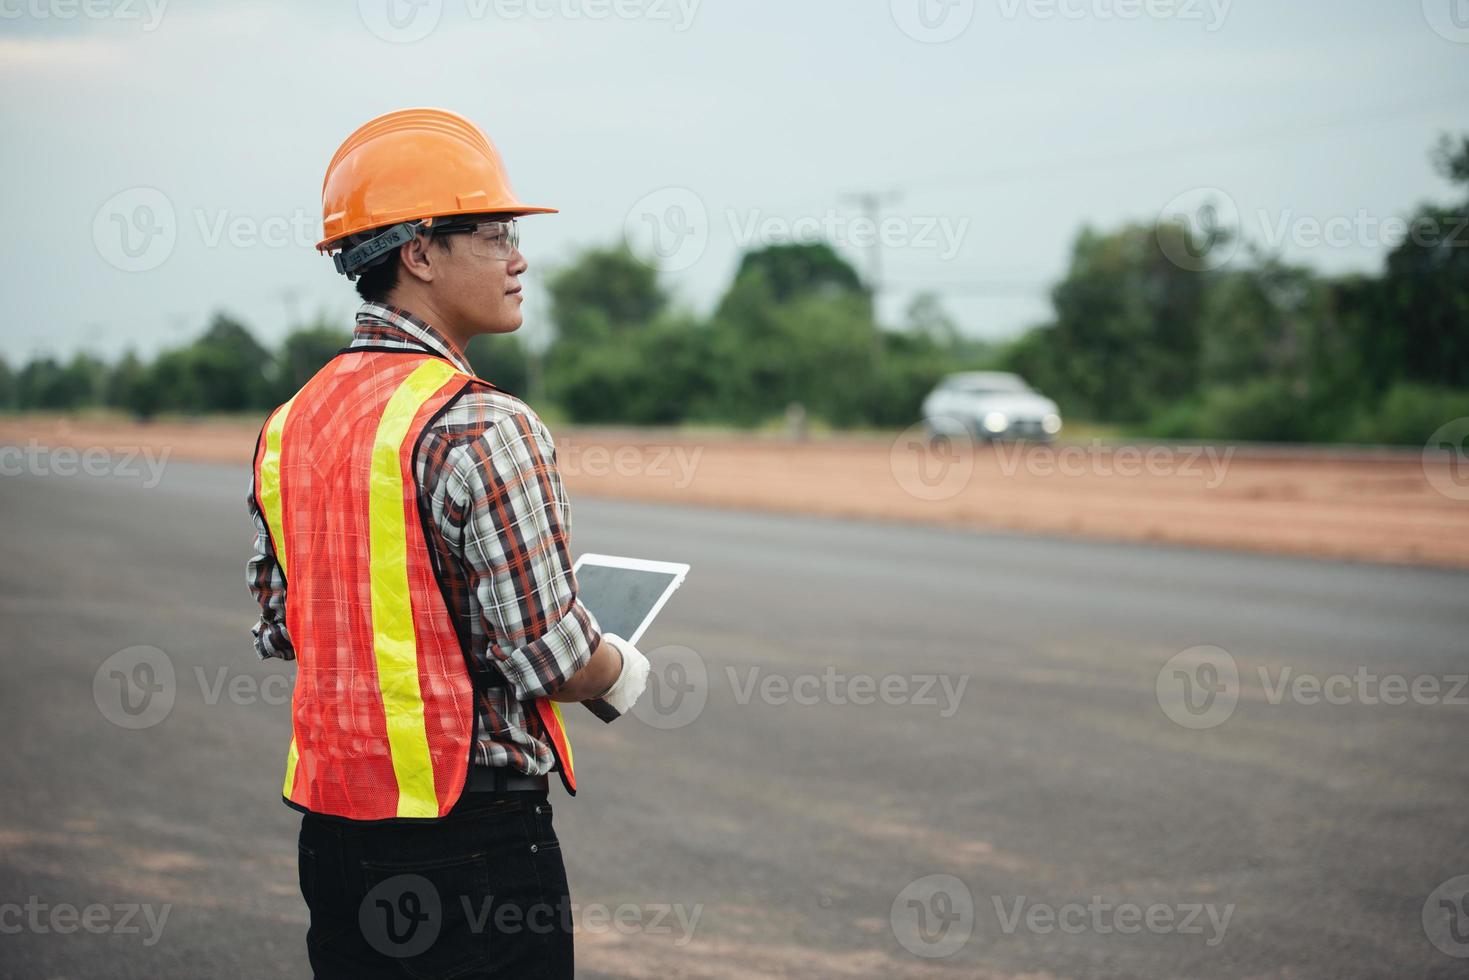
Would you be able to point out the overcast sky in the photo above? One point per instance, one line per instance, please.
(163, 160)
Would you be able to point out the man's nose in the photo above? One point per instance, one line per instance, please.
(517, 263)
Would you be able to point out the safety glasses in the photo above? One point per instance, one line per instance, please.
(488, 239)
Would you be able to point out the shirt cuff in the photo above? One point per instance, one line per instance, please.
(539, 669)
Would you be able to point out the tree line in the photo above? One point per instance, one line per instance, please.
(1147, 336)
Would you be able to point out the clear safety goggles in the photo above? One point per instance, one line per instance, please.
(498, 239)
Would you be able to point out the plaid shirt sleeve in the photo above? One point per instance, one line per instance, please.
(268, 586)
(515, 546)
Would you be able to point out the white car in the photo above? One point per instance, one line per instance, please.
(989, 405)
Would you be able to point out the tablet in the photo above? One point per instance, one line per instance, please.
(626, 593)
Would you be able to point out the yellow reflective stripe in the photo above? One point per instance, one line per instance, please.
(395, 643)
(269, 492)
(292, 757)
(565, 737)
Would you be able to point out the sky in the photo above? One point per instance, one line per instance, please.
(163, 160)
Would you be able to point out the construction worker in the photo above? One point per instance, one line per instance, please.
(413, 556)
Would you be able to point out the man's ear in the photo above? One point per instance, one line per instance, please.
(417, 258)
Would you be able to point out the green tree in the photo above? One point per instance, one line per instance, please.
(1423, 298)
(799, 269)
(7, 387)
(304, 352)
(603, 292)
(1125, 339)
(45, 384)
(503, 361)
(125, 383)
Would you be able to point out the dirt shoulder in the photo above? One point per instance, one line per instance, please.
(1389, 507)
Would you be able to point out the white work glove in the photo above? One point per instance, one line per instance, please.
(629, 686)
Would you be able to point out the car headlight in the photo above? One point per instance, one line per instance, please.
(1051, 424)
(996, 422)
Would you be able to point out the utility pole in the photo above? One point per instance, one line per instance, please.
(871, 203)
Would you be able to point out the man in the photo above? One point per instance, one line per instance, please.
(413, 556)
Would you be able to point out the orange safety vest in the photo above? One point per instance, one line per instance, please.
(382, 716)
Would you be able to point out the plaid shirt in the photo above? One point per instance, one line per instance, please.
(500, 524)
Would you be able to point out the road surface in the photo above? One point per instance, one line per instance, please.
(884, 751)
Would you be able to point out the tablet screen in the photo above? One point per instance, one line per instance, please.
(621, 598)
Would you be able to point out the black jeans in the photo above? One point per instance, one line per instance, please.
(480, 893)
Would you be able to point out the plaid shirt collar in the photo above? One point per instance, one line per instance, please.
(380, 325)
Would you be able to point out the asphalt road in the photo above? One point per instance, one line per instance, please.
(759, 820)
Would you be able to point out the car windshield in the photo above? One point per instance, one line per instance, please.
(988, 386)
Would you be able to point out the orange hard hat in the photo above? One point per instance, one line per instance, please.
(411, 165)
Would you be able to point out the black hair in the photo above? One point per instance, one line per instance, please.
(379, 279)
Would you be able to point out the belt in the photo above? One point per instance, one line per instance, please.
(484, 779)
